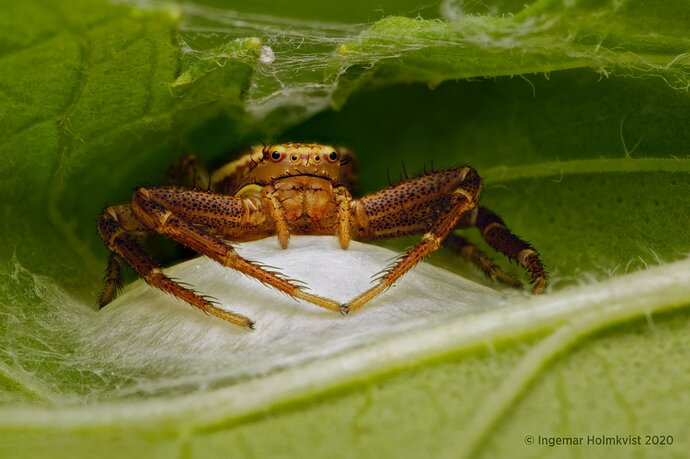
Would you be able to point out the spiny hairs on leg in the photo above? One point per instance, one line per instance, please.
(150, 207)
(447, 195)
(121, 241)
(204, 303)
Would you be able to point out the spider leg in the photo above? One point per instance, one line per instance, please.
(118, 227)
(275, 209)
(189, 216)
(112, 280)
(343, 200)
(495, 232)
(348, 170)
(391, 212)
(230, 178)
(188, 170)
(472, 253)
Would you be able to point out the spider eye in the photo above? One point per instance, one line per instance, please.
(294, 157)
(275, 156)
(333, 156)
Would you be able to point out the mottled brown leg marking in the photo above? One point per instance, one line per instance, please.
(451, 194)
(121, 241)
(112, 280)
(166, 222)
(498, 236)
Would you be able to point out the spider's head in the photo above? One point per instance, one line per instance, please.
(292, 159)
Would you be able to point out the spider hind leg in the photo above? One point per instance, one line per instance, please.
(112, 280)
(495, 232)
(465, 249)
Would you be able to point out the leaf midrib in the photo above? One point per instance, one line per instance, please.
(569, 315)
(500, 174)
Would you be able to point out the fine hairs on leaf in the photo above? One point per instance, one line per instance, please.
(310, 58)
(148, 343)
(584, 154)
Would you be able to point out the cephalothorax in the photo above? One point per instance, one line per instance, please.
(303, 189)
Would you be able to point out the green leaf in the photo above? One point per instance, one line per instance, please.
(575, 114)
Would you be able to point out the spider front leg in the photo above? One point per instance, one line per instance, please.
(121, 232)
(192, 217)
(433, 203)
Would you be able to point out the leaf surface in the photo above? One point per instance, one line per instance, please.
(575, 114)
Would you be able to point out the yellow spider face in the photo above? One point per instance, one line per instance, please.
(292, 159)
